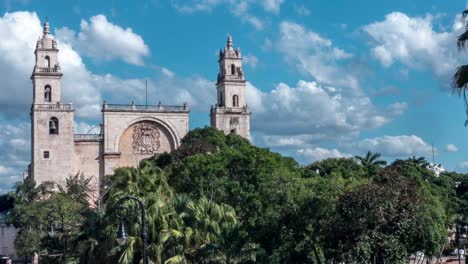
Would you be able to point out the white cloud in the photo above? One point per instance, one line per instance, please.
(414, 42)
(320, 112)
(102, 40)
(451, 148)
(250, 60)
(395, 146)
(315, 55)
(14, 139)
(167, 72)
(301, 10)
(272, 5)
(192, 6)
(309, 155)
(19, 32)
(239, 9)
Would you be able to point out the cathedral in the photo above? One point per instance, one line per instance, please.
(129, 132)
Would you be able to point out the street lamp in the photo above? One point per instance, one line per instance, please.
(51, 216)
(121, 234)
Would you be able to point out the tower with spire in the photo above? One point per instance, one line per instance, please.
(231, 113)
(51, 120)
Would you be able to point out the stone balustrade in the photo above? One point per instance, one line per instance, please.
(145, 108)
(57, 106)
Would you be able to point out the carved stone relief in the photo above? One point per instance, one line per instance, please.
(146, 138)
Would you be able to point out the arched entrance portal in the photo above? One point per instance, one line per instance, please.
(143, 140)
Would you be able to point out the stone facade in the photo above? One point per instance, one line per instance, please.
(129, 133)
(231, 113)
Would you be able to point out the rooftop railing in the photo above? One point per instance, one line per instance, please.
(152, 108)
(46, 69)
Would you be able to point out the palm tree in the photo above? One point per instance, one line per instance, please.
(459, 82)
(420, 162)
(371, 162)
(180, 229)
(371, 159)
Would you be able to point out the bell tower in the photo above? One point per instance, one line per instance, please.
(231, 114)
(51, 120)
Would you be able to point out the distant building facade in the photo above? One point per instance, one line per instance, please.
(129, 133)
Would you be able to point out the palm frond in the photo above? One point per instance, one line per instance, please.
(462, 40)
(460, 80)
(465, 13)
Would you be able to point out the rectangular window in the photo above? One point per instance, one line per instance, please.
(46, 154)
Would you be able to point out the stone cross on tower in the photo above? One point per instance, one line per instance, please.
(231, 114)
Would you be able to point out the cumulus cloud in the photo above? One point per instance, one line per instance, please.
(316, 111)
(208, 5)
(167, 72)
(395, 146)
(19, 32)
(415, 43)
(100, 39)
(315, 55)
(15, 138)
(250, 60)
(272, 5)
(301, 10)
(239, 9)
(309, 155)
(451, 148)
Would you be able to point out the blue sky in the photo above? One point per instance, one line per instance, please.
(325, 78)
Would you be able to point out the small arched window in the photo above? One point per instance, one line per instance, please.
(235, 100)
(47, 62)
(47, 94)
(233, 69)
(221, 103)
(53, 126)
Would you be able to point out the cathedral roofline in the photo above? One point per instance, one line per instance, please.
(145, 108)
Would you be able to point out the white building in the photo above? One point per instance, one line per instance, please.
(129, 133)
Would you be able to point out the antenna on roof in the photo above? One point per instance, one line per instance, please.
(146, 90)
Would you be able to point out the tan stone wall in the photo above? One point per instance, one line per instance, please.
(222, 121)
(88, 160)
(130, 157)
(60, 163)
(118, 131)
(39, 83)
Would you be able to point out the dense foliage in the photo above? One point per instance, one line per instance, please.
(218, 199)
